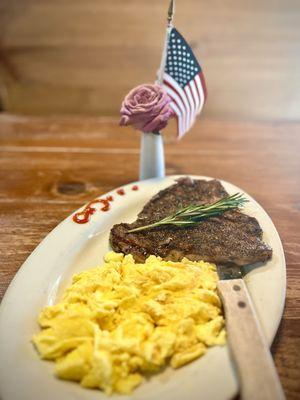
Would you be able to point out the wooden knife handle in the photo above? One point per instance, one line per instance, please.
(255, 367)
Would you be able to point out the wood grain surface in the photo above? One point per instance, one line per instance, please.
(77, 56)
(51, 166)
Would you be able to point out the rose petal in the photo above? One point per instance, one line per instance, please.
(147, 108)
(124, 120)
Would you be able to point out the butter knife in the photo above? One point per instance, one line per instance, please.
(256, 371)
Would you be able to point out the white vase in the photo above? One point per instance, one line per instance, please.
(152, 159)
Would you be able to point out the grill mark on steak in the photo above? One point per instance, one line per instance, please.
(232, 237)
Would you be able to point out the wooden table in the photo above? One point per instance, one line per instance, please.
(50, 166)
(83, 56)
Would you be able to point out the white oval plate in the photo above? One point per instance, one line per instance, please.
(70, 248)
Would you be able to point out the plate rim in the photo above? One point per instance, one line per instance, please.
(170, 179)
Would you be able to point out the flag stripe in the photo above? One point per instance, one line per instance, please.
(180, 118)
(178, 102)
(175, 95)
(179, 99)
(180, 92)
(177, 111)
(195, 96)
(203, 83)
(200, 90)
(192, 106)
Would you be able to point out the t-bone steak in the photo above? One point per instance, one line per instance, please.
(232, 237)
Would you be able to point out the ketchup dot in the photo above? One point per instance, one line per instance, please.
(121, 192)
(135, 187)
(109, 198)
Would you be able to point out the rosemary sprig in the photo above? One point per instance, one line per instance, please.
(193, 214)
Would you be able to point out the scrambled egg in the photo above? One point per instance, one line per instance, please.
(122, 320)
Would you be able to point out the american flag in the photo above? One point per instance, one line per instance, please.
(183, 80)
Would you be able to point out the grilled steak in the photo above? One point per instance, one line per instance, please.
(232, 237)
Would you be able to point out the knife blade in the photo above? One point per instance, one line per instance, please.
(256, 371)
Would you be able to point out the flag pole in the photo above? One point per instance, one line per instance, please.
(161, 71)
(152, 159)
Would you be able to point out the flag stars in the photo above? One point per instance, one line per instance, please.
(181, 64)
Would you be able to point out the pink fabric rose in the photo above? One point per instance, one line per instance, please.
(147, 108)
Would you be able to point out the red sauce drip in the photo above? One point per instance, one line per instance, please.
(82, 217)
(109, 198)
(135, 187)
(121, 192)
